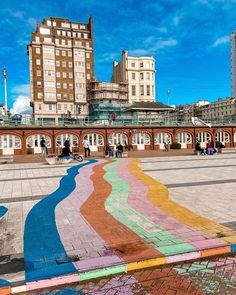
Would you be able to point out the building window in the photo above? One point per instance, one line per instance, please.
(49, 73)
(148, 76)
(57, 41)
(70, 53)
(88, 77)
(87, 55)
(49, 84)
(88, 66)
(59, 107)
(58, 63)
(58, 74)
(87, 44)
(85, 36)
(58, 85)
(141, 76)
(50, 107)
(133, 76)
(63, 64)
(69, 43)
(49, 62)
(70, 75)
(133, 90)
(79, 64)
(64, 75)
(148, 90)
(50, 95)
(38, 73)
(70, 64)
(82, 27)
(39, 84)
(79, 53)
(37, 39)
(141, 65)
(58, 96)
(64, 85)
(133, 64)
(40, 107)
(57, 52)
(141, 90)
(71, 86)
(70, 96)
(38, 50)
(63, 53)
(40, 95)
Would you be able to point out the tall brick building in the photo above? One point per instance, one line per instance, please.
(61, 56)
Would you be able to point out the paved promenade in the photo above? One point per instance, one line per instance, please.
(63, 224)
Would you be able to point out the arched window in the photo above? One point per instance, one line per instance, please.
(184, 137)
(116, 138)
(160, 138)
(8, 143)
(33, 141)
(95, 140)
(223, 137)
(73, 140)
(140, 139)
(203, 137)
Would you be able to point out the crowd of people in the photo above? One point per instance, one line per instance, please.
(209, 148)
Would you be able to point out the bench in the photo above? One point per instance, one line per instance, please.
(58, 161)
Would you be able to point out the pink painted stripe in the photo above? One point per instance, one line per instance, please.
(138, 199)
(52, 282)
(78, 237)
(183, 257)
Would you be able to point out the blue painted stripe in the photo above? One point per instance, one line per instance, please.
(3, 211)
(4, 283)
(44, 253)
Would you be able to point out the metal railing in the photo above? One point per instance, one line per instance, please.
(119, 121)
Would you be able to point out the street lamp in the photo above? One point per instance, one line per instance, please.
(4, 73)
(168, 103)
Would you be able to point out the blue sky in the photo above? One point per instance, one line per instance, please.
(189, 39)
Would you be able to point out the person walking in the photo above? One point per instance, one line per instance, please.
(85, 144)
(43, 147)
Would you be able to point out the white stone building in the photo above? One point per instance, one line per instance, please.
(139, 73)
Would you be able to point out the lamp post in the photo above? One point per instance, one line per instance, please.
(4, 73)
(168, 103)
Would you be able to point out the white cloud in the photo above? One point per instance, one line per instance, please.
(165, 43)
(21, 105)
(154, 45)
(32, 22)
(162, 29)
(221, 40)
(23, 89)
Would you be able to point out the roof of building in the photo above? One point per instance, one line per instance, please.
(148, 106)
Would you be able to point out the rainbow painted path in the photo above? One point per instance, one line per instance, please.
(109, 217)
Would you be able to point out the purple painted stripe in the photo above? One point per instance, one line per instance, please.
(77, 236)
(138, 199)
(97, 262)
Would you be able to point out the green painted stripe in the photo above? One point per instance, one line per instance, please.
(117, 205)
(92, 274)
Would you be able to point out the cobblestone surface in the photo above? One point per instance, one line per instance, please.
(214, 276)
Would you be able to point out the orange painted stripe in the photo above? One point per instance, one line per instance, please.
(216, 251)
(127, 245)
(5, 290)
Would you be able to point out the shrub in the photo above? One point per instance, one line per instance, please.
(175, 146)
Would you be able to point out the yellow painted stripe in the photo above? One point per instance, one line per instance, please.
(159, 196)
(146, 263)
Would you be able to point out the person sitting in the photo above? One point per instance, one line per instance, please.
(119, 150)
(209, 147)
(108, 151)
(198, 148)
(66, 152)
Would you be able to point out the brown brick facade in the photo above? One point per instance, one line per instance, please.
(52, 132)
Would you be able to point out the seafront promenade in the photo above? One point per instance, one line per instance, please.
(129, 218)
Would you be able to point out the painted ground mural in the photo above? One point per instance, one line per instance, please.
(108, 218)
